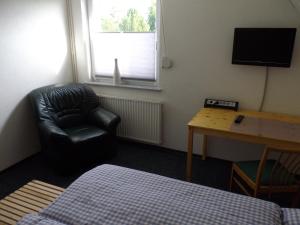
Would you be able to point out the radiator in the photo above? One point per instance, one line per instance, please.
(141, 119)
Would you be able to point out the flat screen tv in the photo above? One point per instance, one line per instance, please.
(263, 46)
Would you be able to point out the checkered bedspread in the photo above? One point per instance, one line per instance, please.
(291, 216)
(115, 195)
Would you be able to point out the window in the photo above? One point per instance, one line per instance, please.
(125, 30)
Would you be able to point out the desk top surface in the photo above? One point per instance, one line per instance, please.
(257, 124)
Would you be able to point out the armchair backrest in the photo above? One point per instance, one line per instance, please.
(65, 105)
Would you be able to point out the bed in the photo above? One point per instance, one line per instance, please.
(115, 195)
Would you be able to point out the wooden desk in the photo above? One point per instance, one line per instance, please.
(218, 122)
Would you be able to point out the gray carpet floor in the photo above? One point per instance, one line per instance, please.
(153, 159)
(211, 172)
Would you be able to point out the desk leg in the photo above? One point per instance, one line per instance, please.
(204, 147)
(189, 154)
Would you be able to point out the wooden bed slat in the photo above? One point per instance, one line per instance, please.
(40, 195)
(9, 215)
(40, 187)
(49, 185)
(18, 207)
(6, 220)
(38, 199)
(3, 223)
(41, 191)
(29, 201)
(21, 203)
(32, 197)
(10, 209)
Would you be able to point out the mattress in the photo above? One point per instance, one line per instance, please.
(115, 195)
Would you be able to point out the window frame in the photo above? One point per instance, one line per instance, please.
(126, 82)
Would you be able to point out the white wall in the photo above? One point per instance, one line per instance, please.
(199, 35)
(33, 53)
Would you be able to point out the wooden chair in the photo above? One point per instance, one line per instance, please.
(275, 174)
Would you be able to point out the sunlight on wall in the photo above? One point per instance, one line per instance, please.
(34, 53)
(46, 44)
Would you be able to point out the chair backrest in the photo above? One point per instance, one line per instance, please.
(66, 105)
(285, 170)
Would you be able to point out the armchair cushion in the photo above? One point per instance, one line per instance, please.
(85, 133)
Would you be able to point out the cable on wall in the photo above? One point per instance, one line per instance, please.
(166, 61)
(264, 90)
(296, 5)
(163, 27)
(292, 3)
(72, 40)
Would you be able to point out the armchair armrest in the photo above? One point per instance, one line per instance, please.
(104, 118)
(50, 131)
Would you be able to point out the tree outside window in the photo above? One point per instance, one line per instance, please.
(133, 21)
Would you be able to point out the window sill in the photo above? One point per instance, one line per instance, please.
(140, 87)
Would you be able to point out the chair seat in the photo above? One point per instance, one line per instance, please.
(85, 133)
(279, 177)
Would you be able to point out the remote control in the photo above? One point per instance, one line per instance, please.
(214, 103)
(239, 119)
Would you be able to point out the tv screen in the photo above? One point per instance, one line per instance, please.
(263, 46)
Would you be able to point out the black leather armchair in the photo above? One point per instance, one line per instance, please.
(74, 129)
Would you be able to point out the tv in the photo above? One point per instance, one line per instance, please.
(263, 46)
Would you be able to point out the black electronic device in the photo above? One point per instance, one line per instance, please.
(263, 46)
(224, 104)
(239, 119)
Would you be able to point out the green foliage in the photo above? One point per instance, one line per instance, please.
(152, 17)
(109, 25)
(111, 22)
(133, 22)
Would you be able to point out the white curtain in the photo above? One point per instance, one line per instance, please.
(135, 53)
